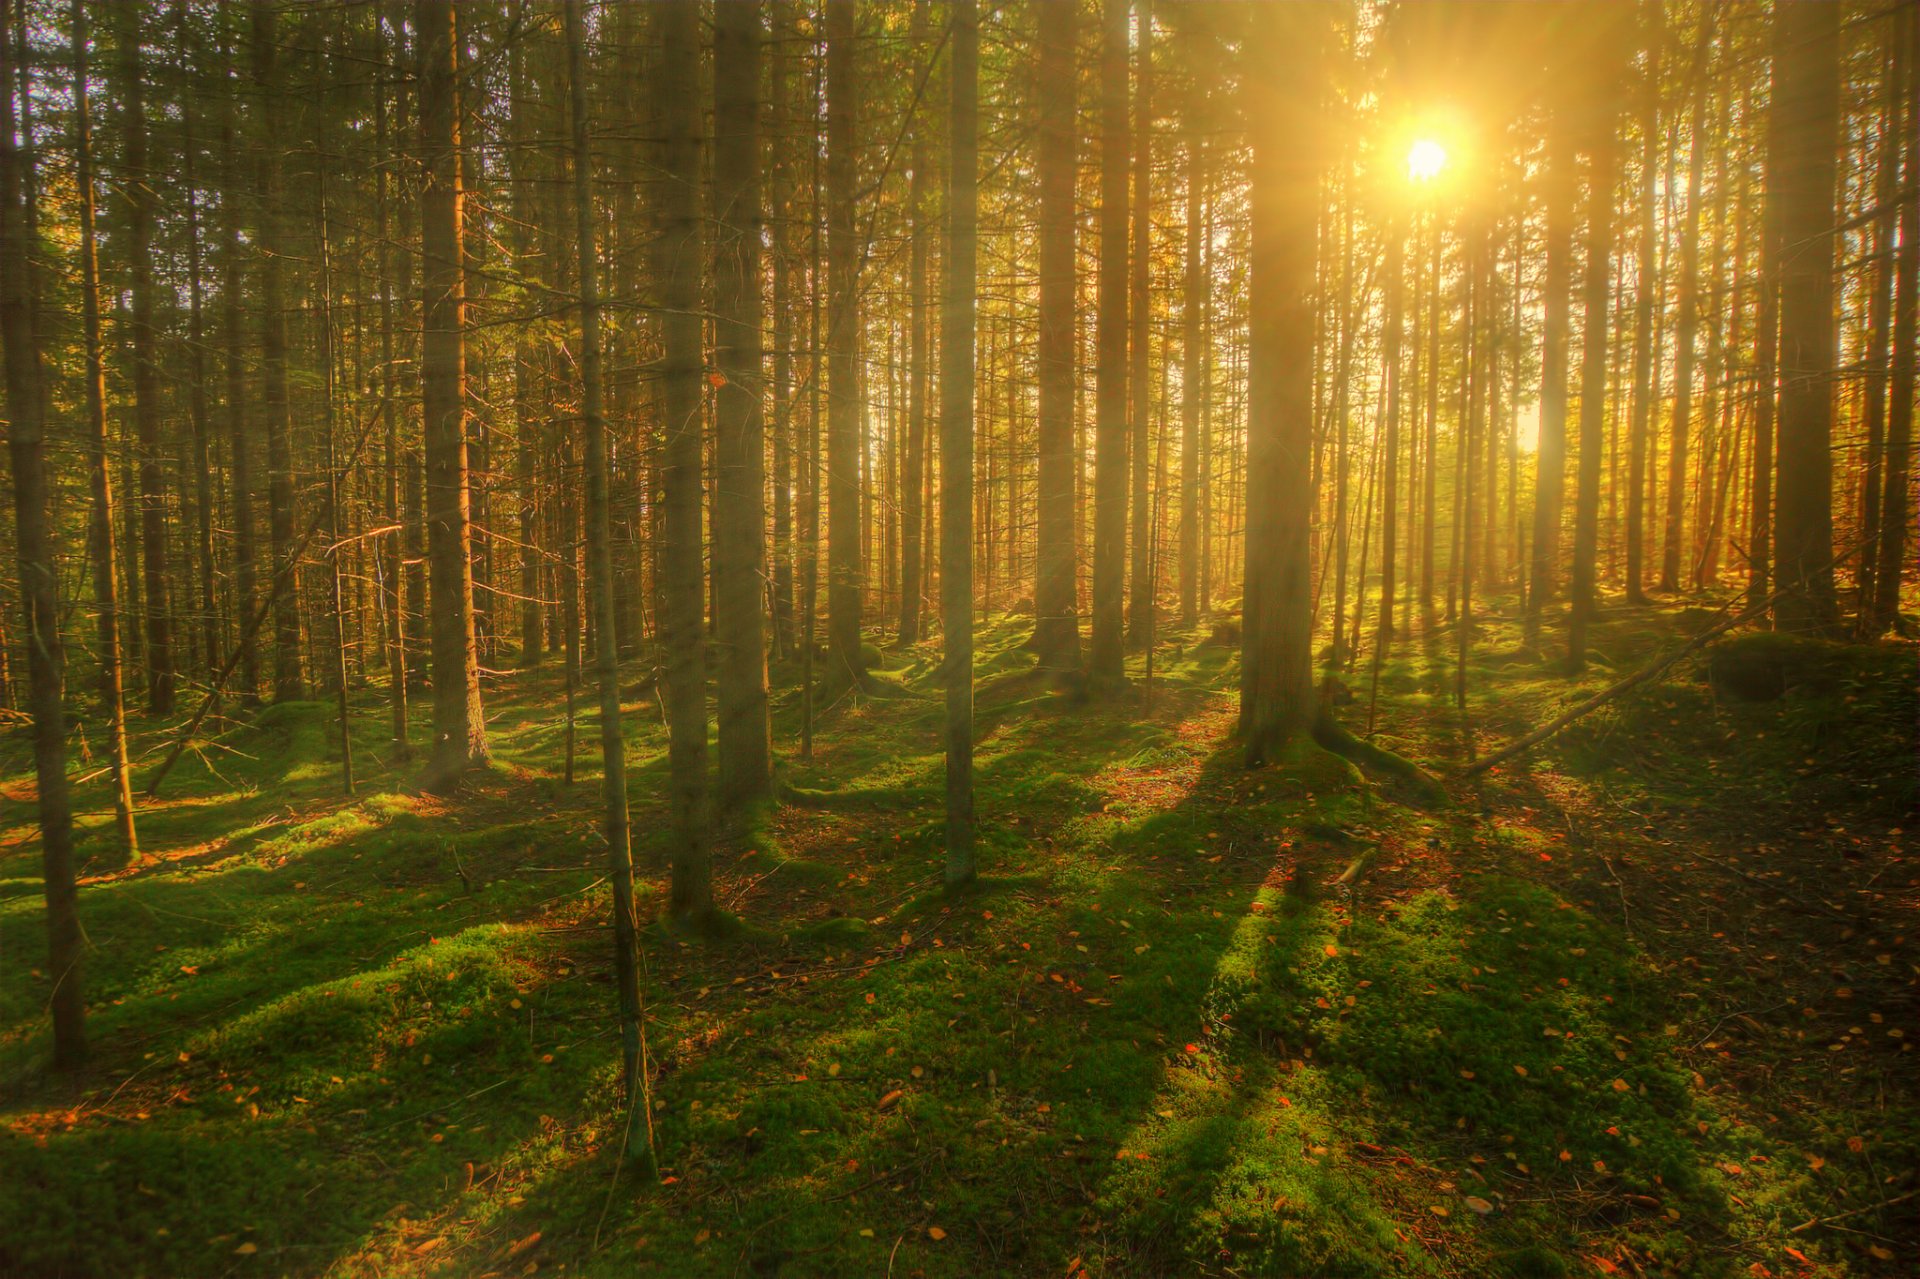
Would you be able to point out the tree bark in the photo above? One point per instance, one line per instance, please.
(1276, 682)
(1646, 295)
(1806, 91)
(956, 437)
(1896, 499)
(1549, 490)
(845, 579)
(34, 546)
(740, 482)
(101, 551)
(1598, 281)
(1140, 618)
(1107, 664)
(676, 271)
(1056, 627)
(459, 722)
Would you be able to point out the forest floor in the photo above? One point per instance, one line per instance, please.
(1641, 1003)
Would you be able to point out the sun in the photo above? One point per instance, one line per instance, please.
(1425, 159)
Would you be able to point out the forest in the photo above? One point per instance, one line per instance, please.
(925, 638)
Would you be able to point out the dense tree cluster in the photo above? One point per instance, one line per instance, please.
(370, 349)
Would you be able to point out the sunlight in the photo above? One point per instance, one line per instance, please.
(1425, 159)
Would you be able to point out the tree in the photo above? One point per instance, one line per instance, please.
(1276, 658)
(919, 344)
(144, 340)
(1685, 333)
(676, 272)
(740, 482)
(1646, 290)
(1550, 476)
(845, 581)
(956, 437)
(1140, 373)
(289, 680)
(1896, 516)
(1056, 626)
(1598, 289)
(459, 722)
(35, 550)
(101, 550)
(1803, 174)
(1107, 657)
(613, 756)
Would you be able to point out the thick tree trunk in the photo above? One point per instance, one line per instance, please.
(1107, 663)
(1646, 297)
(1056, 627)
(1190, 309)
(676, 271)
(390, 551)
(919, 338)
(459, 724)
(236, 354)
(39, 582)
(780, 211)
(1806, 90)
(956, 437)
(740, 482)
(1276, 681)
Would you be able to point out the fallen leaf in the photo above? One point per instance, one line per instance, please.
(1479, 1205)
(887, 1102)
(246, 1249)
(936, 1234)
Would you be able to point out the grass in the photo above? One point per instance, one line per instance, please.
(1640, 1004)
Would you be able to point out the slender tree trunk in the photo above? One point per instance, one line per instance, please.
(459, 721)
(239, 434)
(1140, 374)
(1896, 498)
(1390, 346)
(780, 211)
(740, 482)
(205, 617)
(1190, 384)
(956, 437)
(1685, 331)
(289, 681)
(1806, 89)
(613, 756)
(390, 550)
(1598, 283)
(1276, 681)
(1056, 635)
(335, 529)
(1550, 478)
(101, 550)
(34, 547)
(141, 201)
(1646, 293)
(845, 580)
(676, 270)
(1107, 664)
(1879, 327)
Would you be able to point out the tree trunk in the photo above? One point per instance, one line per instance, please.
(613, 757)
(919, 337)
(1686, 328)
(459, 723)
(1550, 479)
(1598, 281)
(239, 434)
(1276, 681)
(1140, 376)
(1896, 498)
(676, 271)
(1056, 627)
(1190, 383)
(740, 482)
(144, 338)
(956, 438)
(39, 582)
(1806, 90)
(1646, 296)
(845, 580)
(1108, 657)
(101, 549)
